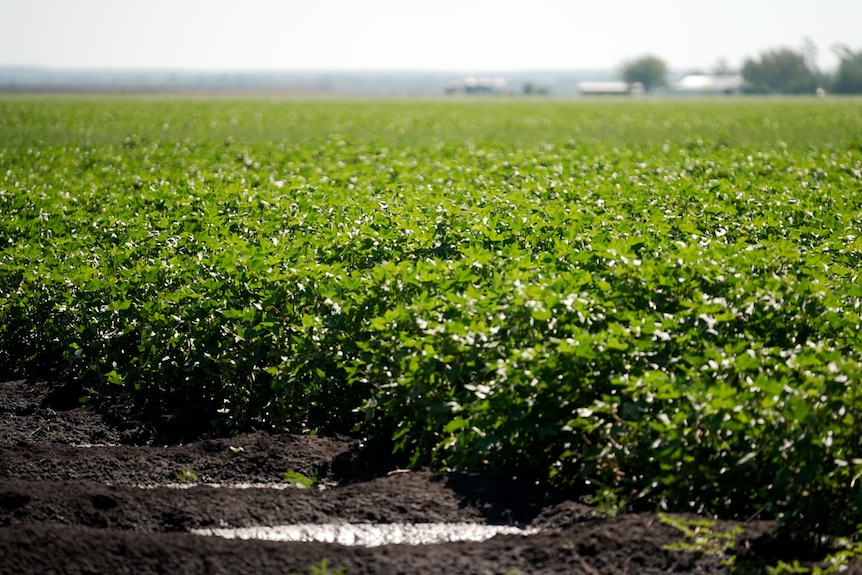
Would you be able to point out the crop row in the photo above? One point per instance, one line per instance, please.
(672, 323)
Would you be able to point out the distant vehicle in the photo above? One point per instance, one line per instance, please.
(472, 85)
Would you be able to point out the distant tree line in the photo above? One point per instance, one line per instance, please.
(775, 71)
(848, 78)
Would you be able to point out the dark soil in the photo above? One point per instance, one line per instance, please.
(86, 489)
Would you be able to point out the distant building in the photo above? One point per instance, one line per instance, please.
(708, 84)
(610, 88)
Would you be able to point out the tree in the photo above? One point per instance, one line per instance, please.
(848, 78)
(780, 71)
(648, 70)
(722, 67)
(531, 89)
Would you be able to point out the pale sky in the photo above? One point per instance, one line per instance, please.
(414, 35)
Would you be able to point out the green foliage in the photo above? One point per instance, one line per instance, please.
(323, 569)
(298, 479)
(658, 301)
(848, 78)
(647, 70)
(844, 554)
(700, 535)
(186, 476)
(779, 71)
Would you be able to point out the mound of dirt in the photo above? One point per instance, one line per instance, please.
(117, 488)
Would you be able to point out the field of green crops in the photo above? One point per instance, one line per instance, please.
(655, 301)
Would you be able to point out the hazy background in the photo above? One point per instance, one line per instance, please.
(452, 35)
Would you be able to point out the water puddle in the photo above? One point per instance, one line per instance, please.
(191, 485)
(371, 534)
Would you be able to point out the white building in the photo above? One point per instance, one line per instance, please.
(610, 88)
(708, 84)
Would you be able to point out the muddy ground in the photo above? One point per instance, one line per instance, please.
(117, 488)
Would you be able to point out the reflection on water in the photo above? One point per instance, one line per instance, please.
(371, 534)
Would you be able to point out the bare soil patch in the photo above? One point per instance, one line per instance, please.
(94, 489)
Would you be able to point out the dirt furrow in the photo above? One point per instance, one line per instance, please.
(66, 508)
